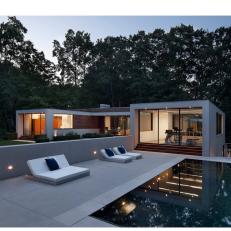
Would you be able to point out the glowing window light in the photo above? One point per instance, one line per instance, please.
(184, 185)
(188, 179)
(35, 116)
(191, 175)
(181, 192)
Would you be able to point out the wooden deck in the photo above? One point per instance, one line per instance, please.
(186, 150)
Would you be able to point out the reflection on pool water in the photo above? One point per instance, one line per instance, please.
(192, 193)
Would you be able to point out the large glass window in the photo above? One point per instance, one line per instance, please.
(62, 121)
(171, 126)
(117, 125)
(34, 124)
(169, 130)
(148, 126)
(146, 123)
(191, 127)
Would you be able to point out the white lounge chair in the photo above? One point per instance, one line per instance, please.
(41, 172)
(115, 158)
(134, 155)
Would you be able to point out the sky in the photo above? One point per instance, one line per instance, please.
(42, 30)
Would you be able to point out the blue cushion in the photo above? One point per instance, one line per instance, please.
(109, 152)
(52, 164)
(122, 150)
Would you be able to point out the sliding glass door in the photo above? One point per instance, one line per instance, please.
(169, 132)
(33, 124)
(148, 124)
(171, 126)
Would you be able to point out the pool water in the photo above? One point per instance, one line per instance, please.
(192, 193)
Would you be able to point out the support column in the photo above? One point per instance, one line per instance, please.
(49, 124)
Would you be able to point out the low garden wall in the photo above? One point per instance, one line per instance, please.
(74, 150)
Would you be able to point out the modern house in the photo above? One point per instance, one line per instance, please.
(56, 122)
(188, 127)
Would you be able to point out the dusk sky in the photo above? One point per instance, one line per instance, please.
(43, 30)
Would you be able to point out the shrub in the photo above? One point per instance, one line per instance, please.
(96, 135)
(2, 133)
(69, 136)
(41, 139)
(10, 136)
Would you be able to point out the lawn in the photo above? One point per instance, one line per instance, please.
(12, 142)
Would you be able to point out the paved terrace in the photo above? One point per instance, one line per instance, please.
(26, 203)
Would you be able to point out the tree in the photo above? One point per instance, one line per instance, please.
(109, 74)
(74, 57)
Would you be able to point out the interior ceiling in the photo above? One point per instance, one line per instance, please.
(176, 111)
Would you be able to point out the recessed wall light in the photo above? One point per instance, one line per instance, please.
(10, 167)
(95, 152)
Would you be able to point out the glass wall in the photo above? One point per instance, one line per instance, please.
(61, 121)
(168, 127)
(117, 125)
(171, 126)
(148, 126)
(34, 124)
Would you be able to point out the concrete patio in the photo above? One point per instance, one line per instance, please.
(27, 203)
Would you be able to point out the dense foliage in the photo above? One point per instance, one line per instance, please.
(184, 63)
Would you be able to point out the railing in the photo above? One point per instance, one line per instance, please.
(227, 150)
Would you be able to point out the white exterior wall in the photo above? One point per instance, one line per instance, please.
(19, 125)
(216, 141)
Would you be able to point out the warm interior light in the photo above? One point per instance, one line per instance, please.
(10, 167)
(181, 192)
(123, 203)
(188, 179)
(185, 185)
(35, 116)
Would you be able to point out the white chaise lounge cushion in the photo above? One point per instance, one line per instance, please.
(39, 165)
(40, 170)
(135, 155)
(63, 174)
(116, 158)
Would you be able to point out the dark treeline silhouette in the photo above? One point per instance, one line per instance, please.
(182, 64)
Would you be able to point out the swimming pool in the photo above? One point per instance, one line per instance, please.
(193, 193)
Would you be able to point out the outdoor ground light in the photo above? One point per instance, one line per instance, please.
(10, 167)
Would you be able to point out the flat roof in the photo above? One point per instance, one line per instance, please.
(113, 111)
(110, 109)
